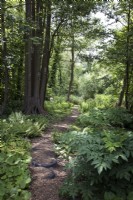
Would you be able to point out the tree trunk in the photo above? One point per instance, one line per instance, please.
(121, 97)
(46, 57)
(28, 56)
(125, 87)
(72, 70)
(20, 78)
(127, 59)
(56, 63)
(60, 78)
(36, 107)
(33, 59)
(4, 60)
(19, 69)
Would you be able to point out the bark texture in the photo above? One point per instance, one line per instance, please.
(36, 55)
(4, 97)
(71, 70)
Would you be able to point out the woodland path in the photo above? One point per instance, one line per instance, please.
(47, 181)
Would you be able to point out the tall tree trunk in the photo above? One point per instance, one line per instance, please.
(125, 86)
(20, 69)
(60, 78)
(4, 60)
(56, 63)
(121, 96)
(72, 70)
(33, 58)
(20, 78)
(1, 68)
(46, 56)
(127, 57)
(36, 107)
(28, 57)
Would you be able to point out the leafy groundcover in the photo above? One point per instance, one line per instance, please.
(101, 165)
(14, 174)
(15, 154)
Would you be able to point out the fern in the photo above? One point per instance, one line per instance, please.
(21, 125)
(14, 154)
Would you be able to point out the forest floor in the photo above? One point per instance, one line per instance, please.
(46, 182)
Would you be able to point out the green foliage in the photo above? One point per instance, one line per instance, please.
(58, 108)
(14, 106)
(14, 148)
(100, 157)
(14, 156)
(76, 99)
(56, 136)
(86, 105)
(88, 86)
(21, 125)
(62, 143)
(100, 101)
(100, 164)
(14, 174)
(106, 118)
(105, 101)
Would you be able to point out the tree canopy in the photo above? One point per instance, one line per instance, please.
(47, 45)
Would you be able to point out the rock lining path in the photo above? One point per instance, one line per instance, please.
(46, 182)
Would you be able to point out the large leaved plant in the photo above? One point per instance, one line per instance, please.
(14, 173)
(100, 164)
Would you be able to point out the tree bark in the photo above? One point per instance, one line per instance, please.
(4, 61)
(33, 58)
(121, 96)
(28, 57)
(125, 87)
(72, 70)
(127, 58)
(46, 57)
(56, 63)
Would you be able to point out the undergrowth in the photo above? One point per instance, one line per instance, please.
(100, 101)
(99, 154)
(116, 117)
(100, 164)
(14, 173)
(58, 109)
(15, 156)
(15, 131)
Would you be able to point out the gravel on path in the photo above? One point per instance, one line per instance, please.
(46, 182)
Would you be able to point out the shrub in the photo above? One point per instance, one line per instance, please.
(85, 106)
(100, 101)
(76, 99)
(105, 101)
(101, 167)
(106, 118)
(58, 109)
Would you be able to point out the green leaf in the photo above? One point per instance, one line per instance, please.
(109, 196)
(130, 196)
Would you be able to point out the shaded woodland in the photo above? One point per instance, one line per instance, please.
(47, 49)
(55, 54)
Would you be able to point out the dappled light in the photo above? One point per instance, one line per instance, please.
(66, 100)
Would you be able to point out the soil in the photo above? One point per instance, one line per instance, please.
(46, 182)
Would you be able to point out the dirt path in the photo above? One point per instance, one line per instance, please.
(47, 181)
